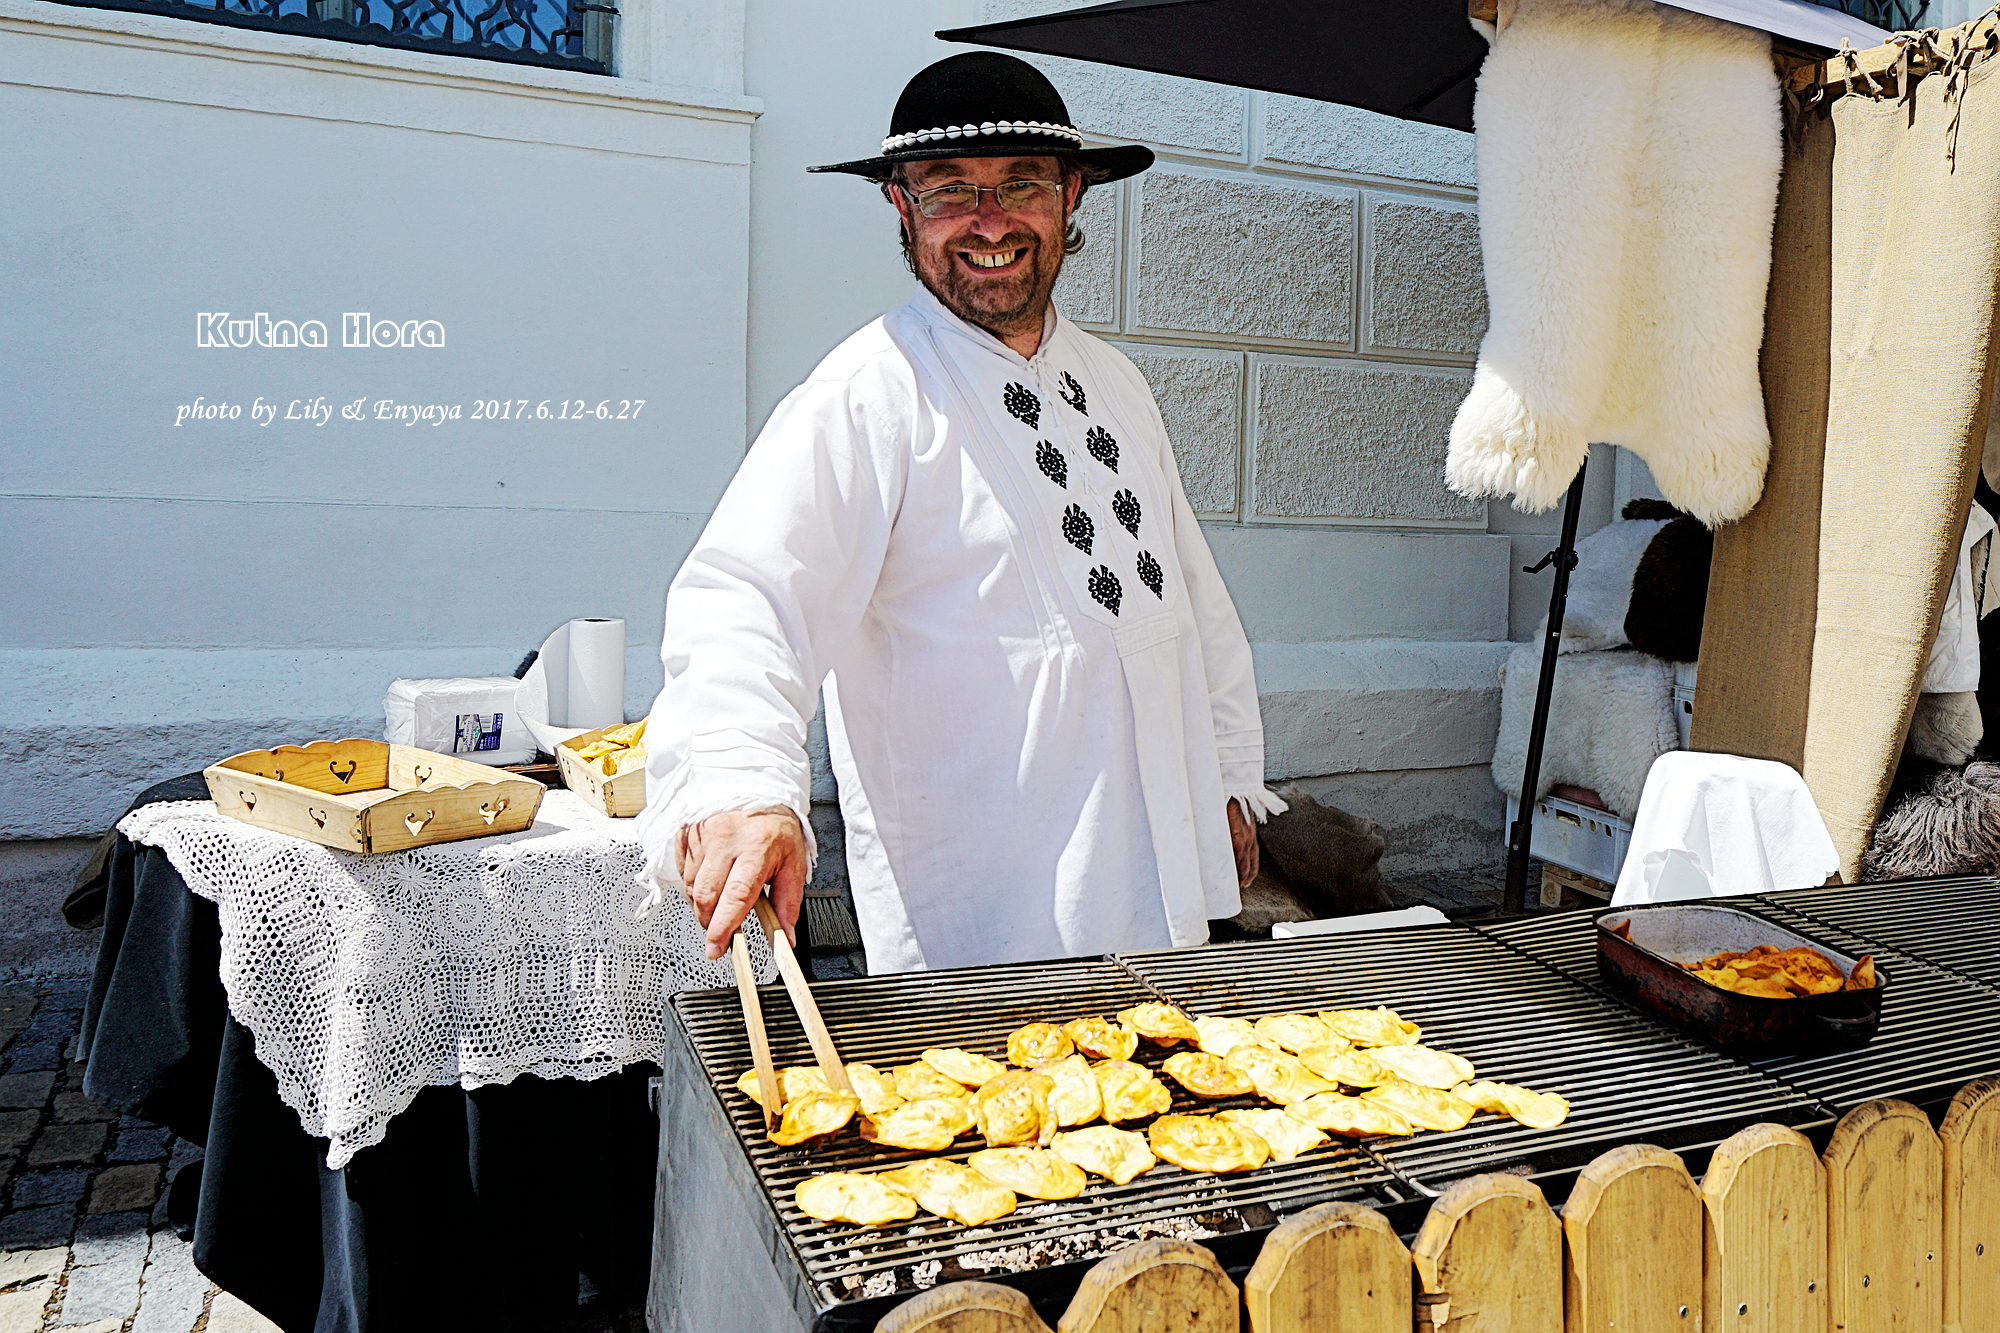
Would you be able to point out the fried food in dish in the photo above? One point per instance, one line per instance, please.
(1293, 1032)
(1371, 1027)
(1101, 1038)
(1203, 1143)
(1349, 1117)
(1161, 1024)
(1220, 1036)
(1780, 974)
(1536, 1110)
(814, 1115)
(964, 1067)
(619, 750)
(1346, 1066)
(1116, 1154)
(953, 1191)
(1207, 1075)
(918, 1080)
(847, 1196)
(1863, 975)
(928, 1124)
(1076, 1099)
(1014, 1108)
(1037, 1044)
(1276, 1075)
(1130, 1091)
(1424, 1066)
(1035, 1172)
(1426, 1108)
(1285, 1134)
(631, 733)
(794, 1082)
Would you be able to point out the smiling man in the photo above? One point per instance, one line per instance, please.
(968, 525)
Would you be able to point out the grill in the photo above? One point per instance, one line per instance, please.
(1627, 1077)
(1939, 1030)
(842, 1271)
(1946, 922)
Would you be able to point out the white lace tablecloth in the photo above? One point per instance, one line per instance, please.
(366, 978)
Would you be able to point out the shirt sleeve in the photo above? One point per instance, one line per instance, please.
(776, 585)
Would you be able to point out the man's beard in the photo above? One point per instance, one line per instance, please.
(1013, 304)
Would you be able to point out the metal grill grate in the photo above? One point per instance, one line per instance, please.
(1946, 922)
(890, 1020)
(1627, 1078)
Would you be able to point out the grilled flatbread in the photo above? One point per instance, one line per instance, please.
(1207, 1075)
(917, 1081)
(1014, 1108)
(1423, 1066)
(876, 1089)
(973, 1071)
(1203, 1143)
(1161, 1024)
(1352, 1068)
(1285, 1134)
(1293, 1032)
(1536, 1110)
(1035, 1172)
(928, 1124)
(1116, 1154)
(1426, 1108)
(1037, 1044)
(1076, 1099)
(846, 1196)
(1101, 1039)
(1349, 1117)
(1371, 1027)
(1277, 1076)
(953, 1191)
(1220, 1036)
(793, 1083)
(813, 1116)
(1130, 1091)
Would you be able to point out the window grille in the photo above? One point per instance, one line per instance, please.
(558, 34)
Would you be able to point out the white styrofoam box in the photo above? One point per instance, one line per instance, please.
(1684, 711)
(1577, 837)
(469, 716)
(1341, 925)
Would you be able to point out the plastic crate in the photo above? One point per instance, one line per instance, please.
(1577, 837)
(1684, 711)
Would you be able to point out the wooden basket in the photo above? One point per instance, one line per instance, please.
(620, 797)
(370, 796)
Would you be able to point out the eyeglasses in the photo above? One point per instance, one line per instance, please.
(955, 201)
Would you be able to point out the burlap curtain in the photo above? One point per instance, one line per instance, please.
(1878, 350)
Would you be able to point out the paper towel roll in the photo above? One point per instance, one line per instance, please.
(596, 674)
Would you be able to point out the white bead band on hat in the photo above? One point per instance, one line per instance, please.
(915, 137)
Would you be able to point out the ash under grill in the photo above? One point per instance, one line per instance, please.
(1627, 1077)
(890, 1020)
(1945, 922)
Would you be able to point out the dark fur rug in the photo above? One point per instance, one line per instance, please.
(1941, 821)
(1670, 586)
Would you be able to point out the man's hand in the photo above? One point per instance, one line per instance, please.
(1243, 841)
(726, 861)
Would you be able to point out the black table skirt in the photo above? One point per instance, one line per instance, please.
(477, 1210)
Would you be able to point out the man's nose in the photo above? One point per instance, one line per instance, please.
(992, 221)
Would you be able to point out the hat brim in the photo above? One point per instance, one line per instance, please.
(1117, 163)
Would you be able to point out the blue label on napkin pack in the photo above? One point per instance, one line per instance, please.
(477, 731)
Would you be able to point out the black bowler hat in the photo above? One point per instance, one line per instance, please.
(985, 104)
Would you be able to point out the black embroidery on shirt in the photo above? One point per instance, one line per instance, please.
(1023, 404)
(1102, 447)
(1104, 586)
(1050, 460)
(1150, 574)
(1125, 508)
(1077, 528)
(1072, 393)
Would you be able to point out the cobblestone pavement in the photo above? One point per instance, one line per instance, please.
(85, 1246)
(1459, 892)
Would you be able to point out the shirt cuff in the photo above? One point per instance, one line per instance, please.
(1259, 802)
(702, 793)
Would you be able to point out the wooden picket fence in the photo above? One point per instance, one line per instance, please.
(1896, 1229)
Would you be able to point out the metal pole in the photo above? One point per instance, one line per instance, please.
(1515, 901)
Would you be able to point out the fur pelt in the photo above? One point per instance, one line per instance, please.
(1610, 717)
(1628, 156)
(1600, 587)
(1945, 728)
(1330, 858)
(1670, 591)
(1949, 826)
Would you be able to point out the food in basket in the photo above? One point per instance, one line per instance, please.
(1276, 1075)
(1161, 1024)
(1014, 1108)
(1350, 1117)
(1101, 1039)
(953, 1191)
(964, 1067)
(847, 1196)
(917, 1080)
(1035, 1172)
(1293, 1032)
(1220, 1036)
(1207, 1075)
(1426, 1108)
(1038, 1044)
(1371, 1027)
(1536, 1110)
(814, 1115)
(1423, 1066)
(1203, 1143)
(794, 1082)
(876, 1089)
(619, 750)
(1772, 973)
(1116, 1154)
(928, 1124)
(1130, 1091)
(1286, 1135)
(1346, 1066)
(1076, 1099)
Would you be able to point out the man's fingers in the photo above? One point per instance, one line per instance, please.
(740, 892)
(788, 892)
(710, 873)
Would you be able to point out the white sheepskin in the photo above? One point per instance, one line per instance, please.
(1610, 717)
(1600, 587)
(1628, 157)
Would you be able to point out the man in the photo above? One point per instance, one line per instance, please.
(969, 525)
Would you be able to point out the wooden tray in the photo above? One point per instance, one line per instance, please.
(370, 796)
(620, 797)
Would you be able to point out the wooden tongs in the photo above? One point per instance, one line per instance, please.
(796, 986)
